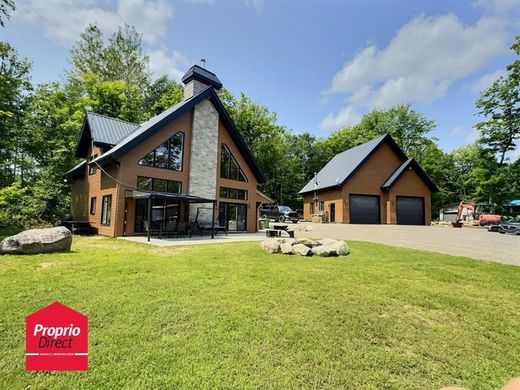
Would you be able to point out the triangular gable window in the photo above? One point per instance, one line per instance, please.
(229, 168)
(168, 155)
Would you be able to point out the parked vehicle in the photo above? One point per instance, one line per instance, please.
(279, 213)
(483, 214)
(511, 227)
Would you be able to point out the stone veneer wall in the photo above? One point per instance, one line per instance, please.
(204, 155)
(193, 88)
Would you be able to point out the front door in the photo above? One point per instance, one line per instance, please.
(233, 216)
(332, 212)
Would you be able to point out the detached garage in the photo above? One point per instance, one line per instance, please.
(372, 183)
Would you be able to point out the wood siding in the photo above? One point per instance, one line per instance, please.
(130, 168)
(410, 184)
(250, 185)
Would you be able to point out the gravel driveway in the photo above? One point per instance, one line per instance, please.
(471, 242)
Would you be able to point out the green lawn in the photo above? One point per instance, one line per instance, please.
(232, 316)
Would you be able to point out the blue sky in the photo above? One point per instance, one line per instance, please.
(318, 65)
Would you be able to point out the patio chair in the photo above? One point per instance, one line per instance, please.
(182, 229)
(170, 228)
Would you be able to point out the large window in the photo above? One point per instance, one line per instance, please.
(93, 206)
(229, 168)
(168, 155)
(106, 210)
(233, 193)
(161, 185)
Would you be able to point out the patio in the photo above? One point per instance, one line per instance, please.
(198, 240)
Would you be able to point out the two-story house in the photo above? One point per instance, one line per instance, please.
(187, 163)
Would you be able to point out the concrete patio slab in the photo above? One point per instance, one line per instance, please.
(198, 240)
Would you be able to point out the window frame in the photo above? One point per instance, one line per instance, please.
(92, 169)
(144, 161)
(93, 205)
(321, 206)
(312, 208)
(106, 212)
(227, 193)
(168, 183)
(226, 164)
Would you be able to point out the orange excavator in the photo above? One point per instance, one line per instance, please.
(483, 214)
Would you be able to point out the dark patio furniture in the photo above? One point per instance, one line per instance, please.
(277, 231)
(182, 229)
(170, 229)
(78, 227)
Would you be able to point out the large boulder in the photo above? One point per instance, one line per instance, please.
(286, 248)
(339, 248)
(58, 239)
(336, 247)
(322, 250)
(301, 249)
(270, 245)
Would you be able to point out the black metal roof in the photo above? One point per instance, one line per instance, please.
(401, 169)
(158, 122)
(108, 130)
(198, 73)
(103, 131)
(343, 165)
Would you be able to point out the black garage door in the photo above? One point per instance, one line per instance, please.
(410, 210)
(364, 209)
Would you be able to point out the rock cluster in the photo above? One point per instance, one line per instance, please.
(305, 247)
(58, 239)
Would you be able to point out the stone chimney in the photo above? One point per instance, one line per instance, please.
(204, 142)
(197, 79)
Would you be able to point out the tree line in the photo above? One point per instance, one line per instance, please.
(40, 125)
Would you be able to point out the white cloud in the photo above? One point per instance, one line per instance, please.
(257, 5)
(421, 62)
(347, 117)
(163, 63)
(65, 20)
(485, 81)
(433, 51)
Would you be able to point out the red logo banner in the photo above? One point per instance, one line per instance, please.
(56, 338)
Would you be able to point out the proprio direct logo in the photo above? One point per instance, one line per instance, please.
(56, 338)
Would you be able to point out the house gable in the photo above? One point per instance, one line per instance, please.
(408, 165)
(149, 128)
(102, 131)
